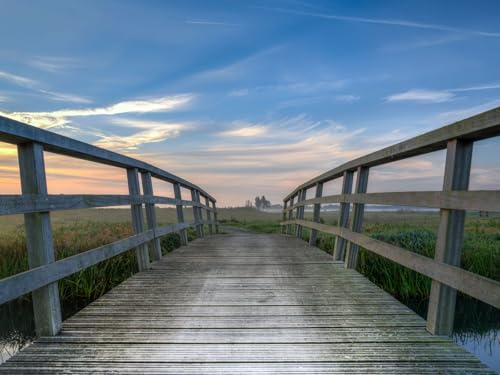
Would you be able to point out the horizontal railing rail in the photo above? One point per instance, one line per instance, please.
(453, 201)
(36, 205)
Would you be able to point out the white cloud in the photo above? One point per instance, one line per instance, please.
(58, 118)
(156, 132)
(422, 96)
(246, 131)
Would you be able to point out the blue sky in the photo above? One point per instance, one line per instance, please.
(249, 98)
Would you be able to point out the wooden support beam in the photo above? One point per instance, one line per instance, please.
(215, 218)
(351, 258)
(316, 214)
(196, 214)
(200, 213)
(46, 304)
(147, 188)
(442, 300)
(137, 219)
(290, 227)
(340, 243)
(299, 215)
(283, 227)
(180, 213)
(209, 216)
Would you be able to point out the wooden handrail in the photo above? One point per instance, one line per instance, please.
(36, 204)
(453, 200)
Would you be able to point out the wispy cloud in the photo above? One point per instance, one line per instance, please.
(423, 96)
(155, 132)
(34, 85)
(437, 96)
(210, 23)
(389, 22)
(59, 118)
(17, 80)
(53, 64)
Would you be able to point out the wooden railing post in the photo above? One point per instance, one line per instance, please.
(137, 218)
(180, 213)
(196, 213)
(442, 300)
(200, 213)
(290, 217)
(46, 304)
(340, 243)
(283, 227)
(300, 213)
(147, 188)
(316, 214)
(215, 217)
(351, 258)
(209, 216)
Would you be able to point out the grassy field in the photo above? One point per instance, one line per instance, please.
(80, 230)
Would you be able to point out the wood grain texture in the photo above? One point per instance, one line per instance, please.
(245, 304)
(39, 241)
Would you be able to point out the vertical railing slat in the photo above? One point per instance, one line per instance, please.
(209, 216)
(39, 241)
(194, 198)
(215, 217)
(137, 218)
(316, 214)
(283, 227)
(299, 215)
(351, 258)
(290, 217)
(180, 214)
(340, 243)
(442, 300)
(147, 187)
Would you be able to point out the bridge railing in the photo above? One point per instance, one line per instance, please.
(453, 201)
(36, 204)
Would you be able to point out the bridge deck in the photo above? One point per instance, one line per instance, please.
(240, 304)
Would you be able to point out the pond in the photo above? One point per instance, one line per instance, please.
(477, 327)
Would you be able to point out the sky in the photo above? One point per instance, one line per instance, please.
(247, 98)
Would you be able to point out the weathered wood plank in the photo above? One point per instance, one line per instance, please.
(210, 313)
(448, 250)
(46, 305)
(476, 286)
(340, 243)
(147, 189)
(479, 200)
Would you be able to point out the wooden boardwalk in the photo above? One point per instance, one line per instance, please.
(240, 304)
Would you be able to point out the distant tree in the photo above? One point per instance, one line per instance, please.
(258, 203)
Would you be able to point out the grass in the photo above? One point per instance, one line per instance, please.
(81, 230)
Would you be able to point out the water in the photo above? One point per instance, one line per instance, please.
(477, 327)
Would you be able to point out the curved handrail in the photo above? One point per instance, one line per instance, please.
(36, 204)
(15, 132)
(444, 270)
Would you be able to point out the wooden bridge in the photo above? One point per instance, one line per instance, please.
(240, 303)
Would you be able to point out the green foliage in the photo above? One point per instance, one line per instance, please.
(75, 238)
